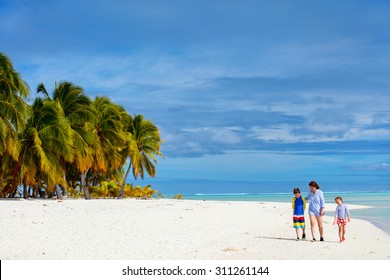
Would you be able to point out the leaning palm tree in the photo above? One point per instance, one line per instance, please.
(143, 144)
(76, 107)
(108, 159)
(14, 111)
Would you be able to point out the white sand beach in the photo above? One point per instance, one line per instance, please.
(174, 229)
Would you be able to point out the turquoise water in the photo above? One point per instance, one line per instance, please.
(379, 215)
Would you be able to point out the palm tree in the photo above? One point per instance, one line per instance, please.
(46, 138)
(76, 107)
(14, 111)
(108, 158)
(143, 144)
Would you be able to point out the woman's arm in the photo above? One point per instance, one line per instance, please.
(322, 203)
(335, 216)
(308, 196)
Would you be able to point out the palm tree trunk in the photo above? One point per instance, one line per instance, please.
(64, 176)
(83, 185)
(124, 182)
(14, 181)
(25, 192)
(59, 193)
(35, 191)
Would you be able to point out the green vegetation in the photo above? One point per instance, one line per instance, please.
(111, 190)
(66, 143)
(177, 196)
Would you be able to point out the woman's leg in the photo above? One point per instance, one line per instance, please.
(312, 224)
(320, 226)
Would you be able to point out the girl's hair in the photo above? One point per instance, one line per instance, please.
(296, 190)
(314, 184)
(339, 197)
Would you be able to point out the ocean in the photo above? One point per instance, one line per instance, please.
(379, 214)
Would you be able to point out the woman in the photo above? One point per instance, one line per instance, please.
(316, 208)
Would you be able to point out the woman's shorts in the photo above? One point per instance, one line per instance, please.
(314, 212)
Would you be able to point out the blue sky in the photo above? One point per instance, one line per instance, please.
(250, 96)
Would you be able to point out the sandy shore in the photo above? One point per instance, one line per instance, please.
(171, 229)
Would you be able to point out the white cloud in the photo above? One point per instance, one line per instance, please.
(373, 167)
(223, 135)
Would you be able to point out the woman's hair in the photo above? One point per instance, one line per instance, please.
(314, 184)
(339, 197)
(296, 190)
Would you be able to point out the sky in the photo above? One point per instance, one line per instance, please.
(249, 96)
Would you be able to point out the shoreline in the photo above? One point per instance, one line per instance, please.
(166, 229)
(377, 214)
